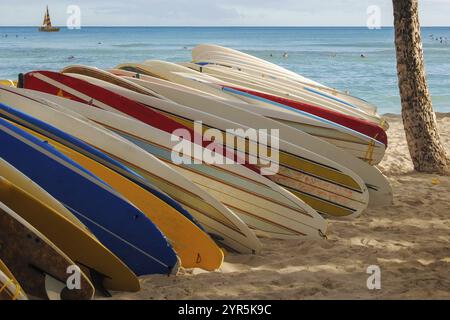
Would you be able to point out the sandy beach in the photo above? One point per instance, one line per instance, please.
(409, 241)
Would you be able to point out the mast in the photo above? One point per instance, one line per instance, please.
(47, 23)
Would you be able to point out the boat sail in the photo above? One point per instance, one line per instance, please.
(47, 24)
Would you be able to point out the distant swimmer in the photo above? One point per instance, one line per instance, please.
(185, 48)
(71, 57)
(99, 42)
(271, 55)
(362, 55)
(285, 55)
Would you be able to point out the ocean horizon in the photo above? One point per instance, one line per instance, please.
(353, 59)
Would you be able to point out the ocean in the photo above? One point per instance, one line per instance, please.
(331, 56)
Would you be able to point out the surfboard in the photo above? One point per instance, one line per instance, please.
(19, 179)
(305, 92)
(266, 91)
(356, 143)
(299, 93)
(33, 259)
(295, 182)
(203, 51)
(232, 183)
(263, 205)
(10, 95)
(194, 247)
(8, 83)
(185, 76)
(239, 117)
(379, 188)
(264, 69)
(220, 222)
(261, 68)
(102, 267)
(118, 224)
(188, 76)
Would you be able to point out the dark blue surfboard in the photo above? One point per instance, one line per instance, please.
(91, 152)
(118, 224)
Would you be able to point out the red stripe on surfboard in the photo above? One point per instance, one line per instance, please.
(363, 126)
(123, 104)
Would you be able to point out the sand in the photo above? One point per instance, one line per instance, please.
(409, 241)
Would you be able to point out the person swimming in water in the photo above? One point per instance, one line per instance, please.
(285, 55)
(362, 55)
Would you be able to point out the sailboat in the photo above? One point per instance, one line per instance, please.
(47, 24)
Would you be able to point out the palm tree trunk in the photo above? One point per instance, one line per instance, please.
(425, 147)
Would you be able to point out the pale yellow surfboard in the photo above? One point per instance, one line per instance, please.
(77, 244)
(193, 246)
(9, 83)
(33, 258)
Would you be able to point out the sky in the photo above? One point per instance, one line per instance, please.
(217, 13)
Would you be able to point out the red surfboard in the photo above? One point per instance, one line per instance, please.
(88, 93)
(362, 126)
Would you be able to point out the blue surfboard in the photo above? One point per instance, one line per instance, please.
(91, 152)
(120, 226)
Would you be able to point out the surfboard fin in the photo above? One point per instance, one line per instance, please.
(53, 287)
(215, 237)
(97, 280)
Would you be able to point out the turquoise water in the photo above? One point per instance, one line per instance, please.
(328, 55)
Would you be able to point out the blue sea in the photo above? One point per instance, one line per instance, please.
(329, 55)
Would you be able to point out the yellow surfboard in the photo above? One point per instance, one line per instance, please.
(77, 244)
(193, 246)
(10, 288)
(10, 173)
(9, 83)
